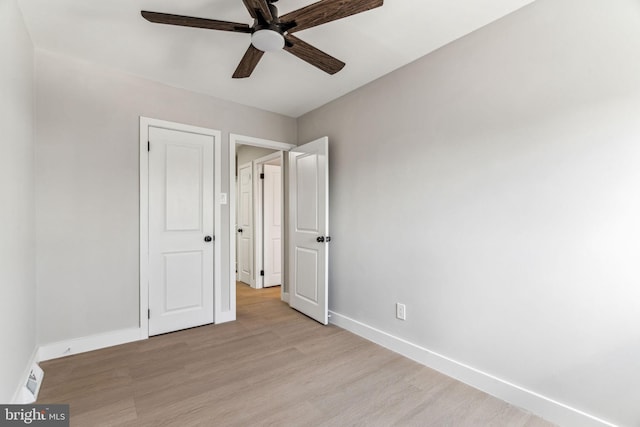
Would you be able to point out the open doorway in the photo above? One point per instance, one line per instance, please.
(249, 157)
(259, 216)
(305, 194)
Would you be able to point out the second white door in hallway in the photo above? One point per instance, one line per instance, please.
(272, 227)
(245, 224)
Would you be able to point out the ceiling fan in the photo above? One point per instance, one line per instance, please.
(271, 32)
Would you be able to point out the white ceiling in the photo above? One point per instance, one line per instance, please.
(113, 34)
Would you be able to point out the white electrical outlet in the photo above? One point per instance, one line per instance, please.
(401, 311)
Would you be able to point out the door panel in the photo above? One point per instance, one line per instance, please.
(245, 224)
(306, 168)
(306, 266)
(272, 198)
(183, 188)
(180, 216)
(183, 280)
(309, 221)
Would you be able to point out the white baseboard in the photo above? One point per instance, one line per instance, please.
(533, 402)
(285, 297)
(90, 343)
(17, 396)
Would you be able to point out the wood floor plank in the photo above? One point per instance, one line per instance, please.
(273, 366)
(117, 413)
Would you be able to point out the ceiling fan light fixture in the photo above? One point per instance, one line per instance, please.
(267, 40)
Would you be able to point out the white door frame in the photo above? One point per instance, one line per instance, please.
(235, 139)
(145, 123)
(258, 204)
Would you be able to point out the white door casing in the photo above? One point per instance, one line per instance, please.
(244, 231)
(272, 229)
(309, 229)
(181, 230)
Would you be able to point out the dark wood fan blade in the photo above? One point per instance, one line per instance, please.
(259, 9)
(189, 21)
(248, 63)
(326, 11)
(312, 55)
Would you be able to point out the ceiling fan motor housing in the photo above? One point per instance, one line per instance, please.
(268, 36)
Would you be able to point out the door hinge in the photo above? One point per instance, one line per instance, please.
(149, 314)
(261, 176)
(148, 145)
(262, 272)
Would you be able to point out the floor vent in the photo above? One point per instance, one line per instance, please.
(29, 392)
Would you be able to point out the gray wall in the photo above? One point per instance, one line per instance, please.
(17, 234)
(247, 153)
(87, 187)
(492, 186)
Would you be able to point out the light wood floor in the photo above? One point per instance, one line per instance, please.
(273, 366)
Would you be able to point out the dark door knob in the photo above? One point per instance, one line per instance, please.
(239, 230)
(208, 238)
(327, 239)
(320, 239)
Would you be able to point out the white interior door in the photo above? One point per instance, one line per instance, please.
(272, 208)
(245, 224)
(235, 227)
(181, 208)
(309, 229)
